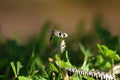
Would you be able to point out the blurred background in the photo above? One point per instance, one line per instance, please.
(25, 29)
(20, 19)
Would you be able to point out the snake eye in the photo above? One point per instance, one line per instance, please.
(64, 35)
(60, 34)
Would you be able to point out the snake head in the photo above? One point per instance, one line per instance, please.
(58, 34)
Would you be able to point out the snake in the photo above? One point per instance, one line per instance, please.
(94, 74)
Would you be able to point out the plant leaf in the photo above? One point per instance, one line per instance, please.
(19, 66)
(54, 67)
(23, 78)
(13, 68)
(86, 52)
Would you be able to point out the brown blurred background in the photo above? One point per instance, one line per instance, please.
(22, 18)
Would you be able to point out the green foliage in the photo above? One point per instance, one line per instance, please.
(86, 54)
(43, 35)
(16, 69)
(105, 36)
(108, 53)
(30, 60)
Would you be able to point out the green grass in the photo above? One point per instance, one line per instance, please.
(35, 60)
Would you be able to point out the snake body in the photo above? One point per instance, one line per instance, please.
(97, 75)
(94, 74)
